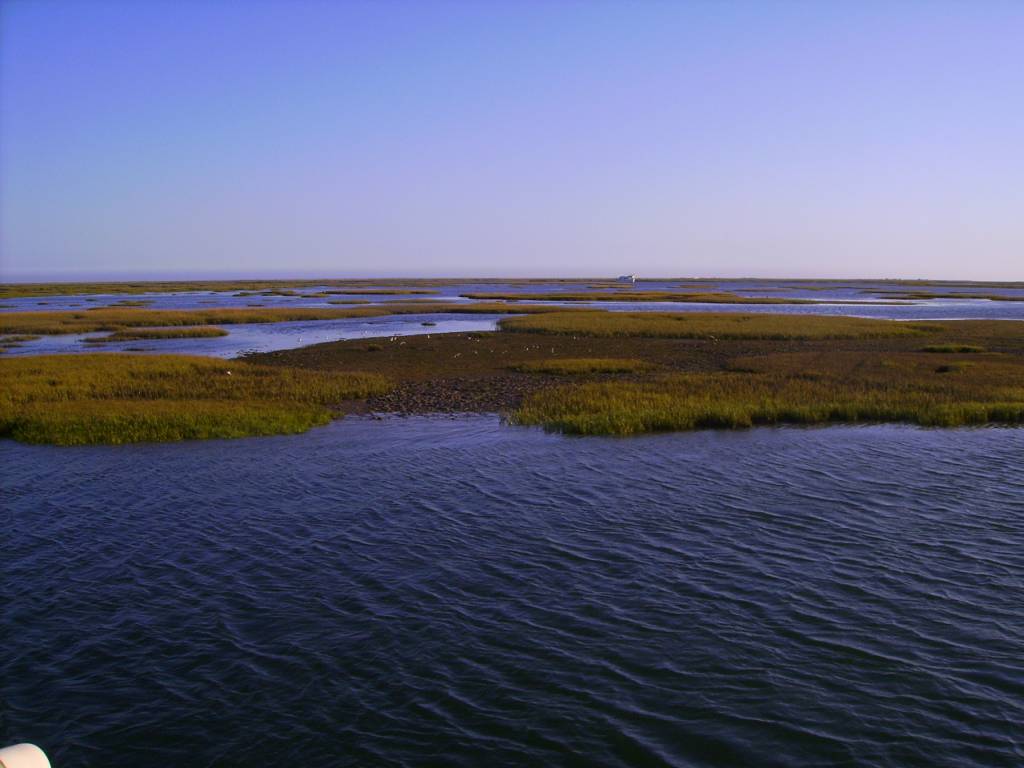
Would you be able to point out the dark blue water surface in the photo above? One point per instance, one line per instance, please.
(461, 593)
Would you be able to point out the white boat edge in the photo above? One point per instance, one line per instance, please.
(23, 756)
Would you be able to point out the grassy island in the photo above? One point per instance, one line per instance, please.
(711, 297)
(246, 287)
(140, 334)
(928, 295)
(584, 372)
(120, 398)
(118, 319)
(713, 326)
(792, 388)
(626, 373)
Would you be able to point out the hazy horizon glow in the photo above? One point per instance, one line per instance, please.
(755, 139)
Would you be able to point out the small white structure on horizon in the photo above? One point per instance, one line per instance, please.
(627, 278)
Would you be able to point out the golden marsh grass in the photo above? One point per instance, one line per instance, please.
(705, 325)
(119, 398)
(184, 332)
(578, 366)
(714, 297)
(929, 295)
(796, 388)
(276, 287)
(116, 319)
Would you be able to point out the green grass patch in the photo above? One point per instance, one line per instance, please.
(717, 297)
(926, 295)
(788, 389)
(271, 292)
(117, 398)
(703, 325)
(116, 319)
(381, 292)
(28, 290)
(248, 287)
(184, 332)
(582, 365)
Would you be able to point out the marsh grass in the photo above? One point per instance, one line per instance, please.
(349, 292)
(119, 398)
(945, 284)
(28, 290)
(248, 287)
(381, 292)
(270, 292)
(715, 297)
(796, 388)
(278, 287)
(118, 422)
(433, 306)
(926, 295)
(184, 332)
(583, 365)
(116, 319)
(703, 325)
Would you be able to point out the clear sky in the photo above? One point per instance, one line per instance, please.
(818, 138)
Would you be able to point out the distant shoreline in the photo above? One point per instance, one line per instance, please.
(11, 288)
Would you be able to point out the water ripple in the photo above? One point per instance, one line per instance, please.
(418, 592)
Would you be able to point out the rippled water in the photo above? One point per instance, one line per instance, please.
(457, 592)
(267, 337)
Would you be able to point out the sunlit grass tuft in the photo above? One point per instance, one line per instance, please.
(184, 332)
(582, 366)
(789, 388)
(703, 325)
(80, 399)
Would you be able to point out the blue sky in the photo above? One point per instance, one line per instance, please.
(763, 138)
